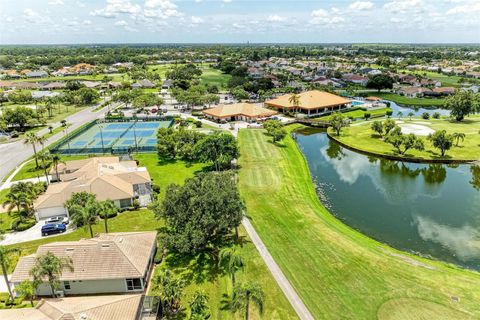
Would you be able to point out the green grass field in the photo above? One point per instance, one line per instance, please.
(362, 138)
(29, 170)
(216, 77)
(357, 114)
(436, 102)
(338, 272)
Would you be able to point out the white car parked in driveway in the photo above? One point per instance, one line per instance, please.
(58, 219)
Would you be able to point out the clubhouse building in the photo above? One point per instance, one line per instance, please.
(238, 112)
(310, 103)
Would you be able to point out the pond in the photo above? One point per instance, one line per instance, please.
(417, 111)
(429, 209)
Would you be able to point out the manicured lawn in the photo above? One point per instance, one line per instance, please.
(359, 114)
(410, 101)
(340, 273)
(29, 171)
(362, 137)
(216, 77)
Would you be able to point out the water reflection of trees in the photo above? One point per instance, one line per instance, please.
(475, 182)
(334, 150)
(432, 173)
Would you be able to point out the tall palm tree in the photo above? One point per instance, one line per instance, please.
(17, 200)
(294, 100)
(170, 290)
(232, 260)
(42, 140)
(4, 254)
(104, 209)
(56, 160)
(50, 267)
(32, 138)
(244, 294)
(458, 136)
(44, 156)
(85, 215)
(26, 290)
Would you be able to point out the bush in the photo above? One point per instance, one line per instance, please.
(198, 124)
(426, 115)
(436, 115)
(389, 113)
(136, 204)
(110, 215)
(197, 113)
(367, 115)
(156, 188)
(18, 225)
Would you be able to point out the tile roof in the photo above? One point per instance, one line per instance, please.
(118, 307)
(107, 256)
(239, 109)
(313, 99)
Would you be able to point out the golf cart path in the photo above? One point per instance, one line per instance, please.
(277, 273)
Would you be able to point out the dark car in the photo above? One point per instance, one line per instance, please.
(53, 228)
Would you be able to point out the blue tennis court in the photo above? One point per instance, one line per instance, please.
(115, 135)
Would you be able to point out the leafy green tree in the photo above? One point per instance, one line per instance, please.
(338, 121)
(275, 129)
(380, 82)
(246, 293)
(367, 115)
(461, 104)
(79, 199)
(199, 309)
(377, 127)
(441, 140)
(26, 290)
(388, 126)
(410, 115)
(403, 143)
(5, 253)
(219, 148)
(49, 268)
(170, 290)
(458, 136)
(232, 260)
(200, 213)
(475, 181)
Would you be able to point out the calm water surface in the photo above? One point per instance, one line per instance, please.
(431, 210)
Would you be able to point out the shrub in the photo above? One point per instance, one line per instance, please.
(155, 188)
(136, 204)
(19, 225)
(198, 124)
(389, 113)
(436, 115)
(110, 215)
(197, 113)
(426, 115)
(367, 115)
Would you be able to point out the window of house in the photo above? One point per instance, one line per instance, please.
(66, 285)
(125, 203)
(134, 284)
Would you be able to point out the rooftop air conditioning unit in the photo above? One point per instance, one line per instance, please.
(60, 293)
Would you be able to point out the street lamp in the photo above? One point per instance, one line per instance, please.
(101, 137)
(135, 136)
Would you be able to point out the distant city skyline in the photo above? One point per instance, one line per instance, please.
(238, 21)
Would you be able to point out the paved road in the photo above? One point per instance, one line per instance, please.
(13, 154)
(277, 273)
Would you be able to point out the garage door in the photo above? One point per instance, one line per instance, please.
(45, 213)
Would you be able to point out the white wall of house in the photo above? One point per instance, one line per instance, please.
(81, 287)
(45, 213)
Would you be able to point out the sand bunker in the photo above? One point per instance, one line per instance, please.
(416, 129)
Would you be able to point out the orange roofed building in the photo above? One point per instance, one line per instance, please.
(311, 103)
(238, 112)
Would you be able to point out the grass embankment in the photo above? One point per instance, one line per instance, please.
(30, 171)
(421, 102)
(338, 272)
(359, 114)
(200, 272)
(362, 138)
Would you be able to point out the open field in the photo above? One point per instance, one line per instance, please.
(361, 137)
(338, 272)
(200, 272)
(215, 77)
(358, 113)
(29, 171)
(435, 102)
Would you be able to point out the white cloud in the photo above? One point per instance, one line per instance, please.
(403, 5)
(115, 7)
(86, 22)
(276, 18)
(227, 1)
(361, 5)
(121, 23)
(80, 4)
(197, 20)
(56, 2)
(32, 16)
(329, 19)
(160, 9)
(464, 8)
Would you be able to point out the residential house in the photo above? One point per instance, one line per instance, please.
(106, 177)
(356, 79)
(105, 264)
(54, 86)
(167, 84)
(143, 84)
(44, 94)
(105, 307)
(444, 91)
(414, 92)
(36, 74)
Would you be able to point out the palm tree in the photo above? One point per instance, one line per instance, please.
(170, 290)
(31, 138)
(247, 292)
(50, 267)
(199, 306)
(294, 100)
(400, 114)
(26, 290)
(232, 260)
(4, 253)
(42, 140)
(17, 200)
(56, 160)
(105, 209)
(410, 115)
(49, 106)
(44, 157)
(85, 215)
(458, 136)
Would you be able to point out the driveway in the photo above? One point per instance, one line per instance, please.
(34, 233)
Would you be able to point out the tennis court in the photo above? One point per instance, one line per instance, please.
(115, 137)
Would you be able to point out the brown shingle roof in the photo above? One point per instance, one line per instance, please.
(313, 99)
(108, 256)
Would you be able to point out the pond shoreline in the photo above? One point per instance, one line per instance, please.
(400, 158)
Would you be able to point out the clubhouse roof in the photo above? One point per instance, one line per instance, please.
(239, 111)
(313, 100)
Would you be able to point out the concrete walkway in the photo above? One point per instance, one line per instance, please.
(277, 273)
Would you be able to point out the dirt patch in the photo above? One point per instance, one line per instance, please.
(409, 260)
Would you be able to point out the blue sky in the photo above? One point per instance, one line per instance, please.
(238, 21)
